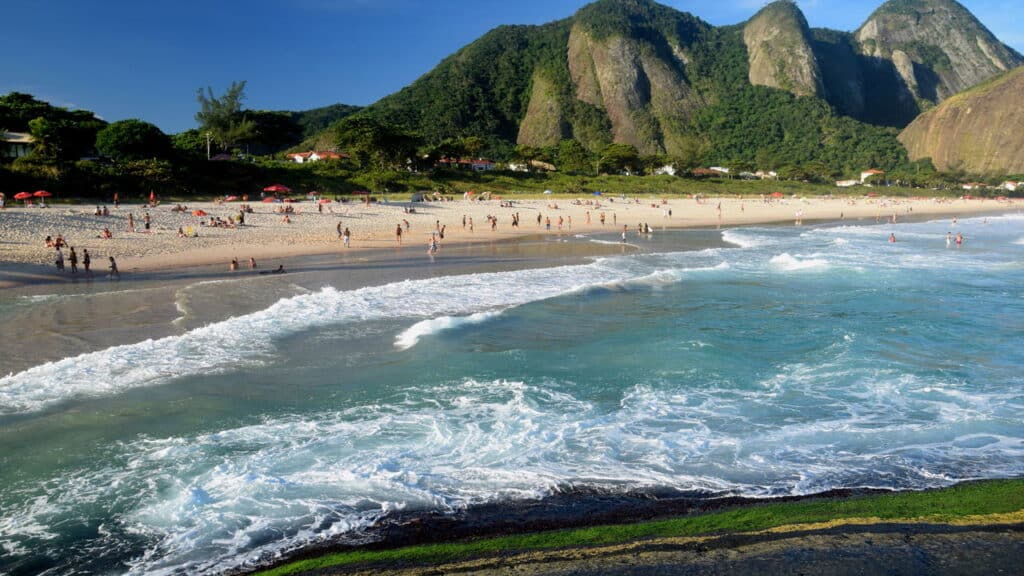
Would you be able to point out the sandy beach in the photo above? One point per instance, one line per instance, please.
(265, 235)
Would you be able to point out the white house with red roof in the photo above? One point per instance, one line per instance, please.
(869, 173)
(1011, 186)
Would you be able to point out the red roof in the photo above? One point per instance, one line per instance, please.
(873, 171)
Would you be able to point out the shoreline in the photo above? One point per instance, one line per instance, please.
(24, 257)
(639, 523)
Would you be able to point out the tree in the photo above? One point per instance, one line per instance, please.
(617, 158)
(133, 140)
(66, 138)
(573, 158)
(190, 142)
(376, 144)
(222, 119)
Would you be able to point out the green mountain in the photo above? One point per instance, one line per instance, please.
(771, 90)
(980, 130)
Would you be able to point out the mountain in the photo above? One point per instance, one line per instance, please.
(780, 51)
(664, 81)
(980, 130)
(937, 47)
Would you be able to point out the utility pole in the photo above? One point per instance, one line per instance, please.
(207, 145)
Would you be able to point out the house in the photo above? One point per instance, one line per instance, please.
(847, 183)
(769, 175)
(709, 172)
(667, 169)
(532, 165)
(720, 169)
(973, 185)
(869, 173)
(476, 165)
(1010, 186)
(15, 144)
(303, 157)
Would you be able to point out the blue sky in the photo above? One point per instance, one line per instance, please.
(145, 59)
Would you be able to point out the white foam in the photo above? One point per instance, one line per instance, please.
(412, 335)
(785, 262)
(744, 238)
(224, 345)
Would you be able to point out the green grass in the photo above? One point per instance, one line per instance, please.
(977, 498)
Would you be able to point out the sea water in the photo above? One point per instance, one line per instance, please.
(783, 361)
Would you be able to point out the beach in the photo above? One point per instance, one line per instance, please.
(314, 228)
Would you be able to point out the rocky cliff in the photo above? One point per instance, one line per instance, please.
(779, 48)
(936, 47)
(980, 130)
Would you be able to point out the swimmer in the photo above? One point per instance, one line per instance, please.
(892, 238)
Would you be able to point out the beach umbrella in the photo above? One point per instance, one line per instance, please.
(22, 196)
(231, 198)
(199, 213)
(312, 193)
(269, 199)
(42, 194)
(776, 194)
(277, 188)
(325, 200)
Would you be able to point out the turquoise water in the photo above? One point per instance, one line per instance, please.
(793, 361)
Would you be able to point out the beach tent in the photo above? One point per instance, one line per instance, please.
(277, 188)
(325, 200)
(597, 193)
(776, 194)
(198, 213)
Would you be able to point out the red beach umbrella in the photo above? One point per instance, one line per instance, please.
(776, 194)
(277, 188)
(269, 199)
(199, 213)
(22, 196)
(42, 194)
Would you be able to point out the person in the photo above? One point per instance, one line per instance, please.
(60, 259)
(131, 222)
(280, 269)
(287, 220)
(346, 237)
(623, 234)
(117, 200)
(892, 238)
(146, 220)
(339, 229)
(949, 239)
(113, 269)
(398, 233)
(86, 260)
(252, 263)
(49, 241)
(106, 234)
(432, 245)
(959, 239)
(181, 232)
(234, 265)
(73, 259)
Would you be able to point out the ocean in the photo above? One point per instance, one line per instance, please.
(206, 424)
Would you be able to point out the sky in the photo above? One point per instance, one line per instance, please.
(146, 59)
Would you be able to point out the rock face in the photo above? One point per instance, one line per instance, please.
(937, 47)
(544, 123)
(644, 93)
(980, 130)
(779, 48)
